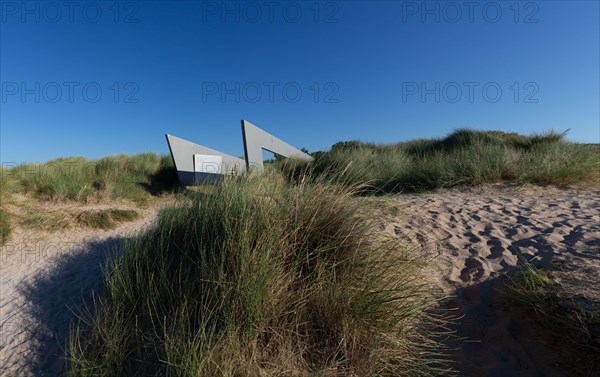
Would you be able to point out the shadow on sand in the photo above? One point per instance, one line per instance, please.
(58, 294)
(496, 337)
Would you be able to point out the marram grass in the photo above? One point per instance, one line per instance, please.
(465, 157)
(5, 221)
(5, 227)
(97, 219)
(109, 178)
(261, 278)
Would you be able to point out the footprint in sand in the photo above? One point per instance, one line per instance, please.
(472, 271)
(421, 238)
(559, 224)
(472, 237)
(571, 239)
(496, 248)
(453, 249)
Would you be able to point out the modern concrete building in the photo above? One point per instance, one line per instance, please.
(197, 164)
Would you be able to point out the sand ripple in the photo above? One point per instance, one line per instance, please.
(474, 236)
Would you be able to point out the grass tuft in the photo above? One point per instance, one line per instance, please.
(105, 219)
(48, 221)
(97, 219)
(5, 222)
(261, 277)
(5, 227)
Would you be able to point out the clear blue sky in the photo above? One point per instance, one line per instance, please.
(375, 71)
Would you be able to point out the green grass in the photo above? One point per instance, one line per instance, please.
(105, 219)
(568, 320)
(5, 227)
(48, 221)
(117, 177)
(5, 221)
(529, 285)
(97, 219)
(121, 177)
(260, 277)
(465, 157)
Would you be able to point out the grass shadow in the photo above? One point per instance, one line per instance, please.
(55, 296)
(499, 335)
(162, 182)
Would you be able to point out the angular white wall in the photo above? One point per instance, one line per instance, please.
(183, 152)
(255, 140)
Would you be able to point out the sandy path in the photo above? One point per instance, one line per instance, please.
(42, 276)
(474, 236)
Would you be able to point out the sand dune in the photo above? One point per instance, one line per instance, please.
(471, 236)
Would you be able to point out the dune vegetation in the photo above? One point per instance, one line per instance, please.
(5, 221)
(66, 219)
(284, 273)
(130, 178)
(118, 177)
(261, 277)
(465, 157)
(5, 227)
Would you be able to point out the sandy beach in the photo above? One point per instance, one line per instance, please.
(472, 236)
